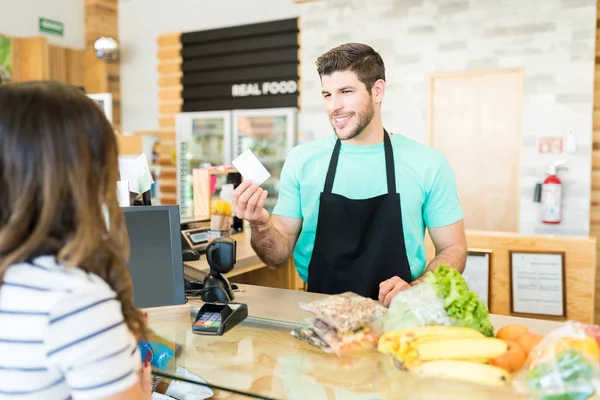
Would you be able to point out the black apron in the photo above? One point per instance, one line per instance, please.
(358, 243)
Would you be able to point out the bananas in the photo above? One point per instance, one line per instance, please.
(461, 348)
(390, 342)
(464, 371)
(446, 352)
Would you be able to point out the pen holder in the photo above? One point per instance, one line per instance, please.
(220, 219)
(220, 223)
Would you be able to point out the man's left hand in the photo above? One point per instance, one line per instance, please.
(389, 288)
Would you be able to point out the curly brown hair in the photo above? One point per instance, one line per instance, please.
(58, 175)
(359, 58)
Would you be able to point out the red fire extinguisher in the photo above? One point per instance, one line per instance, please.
(551, 198)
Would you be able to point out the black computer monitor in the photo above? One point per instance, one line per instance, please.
(155, 264)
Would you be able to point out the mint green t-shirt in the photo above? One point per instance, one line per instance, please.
(424, 179)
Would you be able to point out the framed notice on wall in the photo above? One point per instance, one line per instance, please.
(537, 283)
(477, 274)
(104, 101)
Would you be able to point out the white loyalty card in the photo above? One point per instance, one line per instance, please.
(251, 168)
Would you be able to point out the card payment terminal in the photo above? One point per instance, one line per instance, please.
(218, 318)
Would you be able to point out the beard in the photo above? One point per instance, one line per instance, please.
(363, 119)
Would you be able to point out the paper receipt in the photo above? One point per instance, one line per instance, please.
(251, 168)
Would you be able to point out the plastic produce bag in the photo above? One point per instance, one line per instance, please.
(346, 312)
(565, 365)
(417, 306)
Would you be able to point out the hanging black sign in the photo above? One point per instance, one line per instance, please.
(243, 67)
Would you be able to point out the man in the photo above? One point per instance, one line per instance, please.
(353, 206)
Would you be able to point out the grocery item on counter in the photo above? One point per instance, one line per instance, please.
(347, 311)
(307, 334)
(345, 322)
(449, 352)
(513, 360)
(345, 342)
(521, 341)
(418, 306)
(565, 365)
(461, 304)
(512, 332)
(467, 371)
(569, 376)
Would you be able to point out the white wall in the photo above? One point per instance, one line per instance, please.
(20, 18)
(553, 41)
(140, 23)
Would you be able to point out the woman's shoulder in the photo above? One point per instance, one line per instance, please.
(45, 274)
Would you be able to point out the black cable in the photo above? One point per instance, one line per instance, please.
(177, 378)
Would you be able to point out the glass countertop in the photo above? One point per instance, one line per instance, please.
(259, 358)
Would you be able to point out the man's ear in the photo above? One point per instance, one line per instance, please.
(378, 90)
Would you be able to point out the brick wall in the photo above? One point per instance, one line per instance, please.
(553, 40)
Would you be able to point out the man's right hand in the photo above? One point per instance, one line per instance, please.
(249, 201)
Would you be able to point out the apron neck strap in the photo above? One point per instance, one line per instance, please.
(389, 165)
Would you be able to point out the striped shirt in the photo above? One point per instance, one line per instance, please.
(62, 335)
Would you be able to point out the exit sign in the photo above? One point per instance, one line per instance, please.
(52, 27)
(550, 145)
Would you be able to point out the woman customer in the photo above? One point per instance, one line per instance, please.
(68, 327)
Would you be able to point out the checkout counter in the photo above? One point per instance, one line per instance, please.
(259, 358)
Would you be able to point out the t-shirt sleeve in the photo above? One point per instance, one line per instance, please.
(442, 205)
(88, 340)
(289, 201)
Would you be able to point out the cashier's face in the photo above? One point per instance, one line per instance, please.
(348, 103)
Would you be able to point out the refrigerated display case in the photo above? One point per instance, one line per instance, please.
(203, 139)
(270, 134)
(216, 138)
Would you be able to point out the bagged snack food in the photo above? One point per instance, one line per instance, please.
(308, 335)
(346, 342)
(565, 365)
(417, 306)
(346, 312)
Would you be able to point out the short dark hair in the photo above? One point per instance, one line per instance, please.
(359, 58)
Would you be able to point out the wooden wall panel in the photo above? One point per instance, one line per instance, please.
(580, 258)
(57, 59)
(76, 67)
(169, 105)
(35, 59)
(30, 59)
(595, 194)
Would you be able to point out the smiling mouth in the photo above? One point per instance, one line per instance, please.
(341, 121)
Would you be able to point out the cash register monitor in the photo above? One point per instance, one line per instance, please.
(155, 261)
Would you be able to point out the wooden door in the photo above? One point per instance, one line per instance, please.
(475, 119)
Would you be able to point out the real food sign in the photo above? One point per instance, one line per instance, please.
(264, 88)
(243, 67)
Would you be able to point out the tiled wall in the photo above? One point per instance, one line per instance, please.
(553, 40)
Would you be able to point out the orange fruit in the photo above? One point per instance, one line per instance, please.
(529, 341)
(512, 332)
(513, 360)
